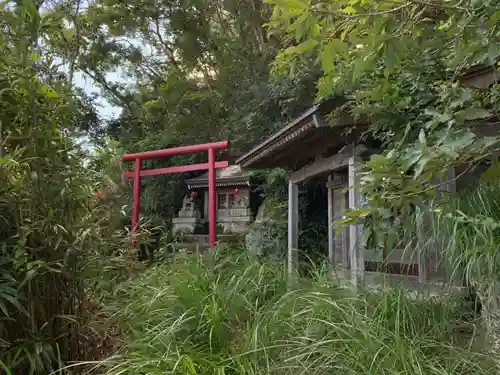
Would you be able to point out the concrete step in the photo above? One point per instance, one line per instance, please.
(190, 246)
(204, 238)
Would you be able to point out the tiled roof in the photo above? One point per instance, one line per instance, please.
(232, 175)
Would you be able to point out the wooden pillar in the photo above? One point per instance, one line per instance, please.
(356, 254)
(421, 245)
(212, 199)
(450, 186)
(293, 227)
(345, 231)
(337, 186)
(136, 201)
(331, 233)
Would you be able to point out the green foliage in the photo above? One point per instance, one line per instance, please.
(200, 73)
(271, 183)
(492, 174)
(224, 312)
(466, 229)
(184, 113)
(398, 64)
(472, 221)
(48, 231)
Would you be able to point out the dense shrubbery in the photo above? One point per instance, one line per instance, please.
(227, 313)
(52, 226)
(62, 260)
(472, 225)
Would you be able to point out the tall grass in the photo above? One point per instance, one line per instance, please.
(470, 227)
(474, 227)
(226, 313)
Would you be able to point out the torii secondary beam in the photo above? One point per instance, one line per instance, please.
(210, 148)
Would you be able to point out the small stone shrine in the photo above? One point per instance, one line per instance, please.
(234, 213)
(189, 216)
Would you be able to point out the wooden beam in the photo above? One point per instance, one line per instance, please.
(293, 228)
(222, 145)
(451, 184)
(288, 156)
(176, 169)
(338, 180)
(319, 120)
(317, 143)
(328, 164)
(483, 79)
(303, 147)
(283, 142)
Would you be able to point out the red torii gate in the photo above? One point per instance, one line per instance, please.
(211, 166)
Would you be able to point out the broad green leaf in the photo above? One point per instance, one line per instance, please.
(330, 52)
(51, 94)
(493, 19)
(328, 58)
(449, 152)
(412, 157)
(422, 138)
(422, 163)
(301, 48)
(479, 3)
(4, 309)
(349, 10)
(15, 302)
(445, 25)
(476, 113)
(301, 26)
(339, 46)
(289, 4)
(459, 142)
(491, 174)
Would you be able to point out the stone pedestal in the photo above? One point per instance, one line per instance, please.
(188, 219)
(184, 224)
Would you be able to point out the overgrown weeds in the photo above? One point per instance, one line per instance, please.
(470, 227)
(52, 226)
(227, 313)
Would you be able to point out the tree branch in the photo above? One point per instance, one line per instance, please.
(165, 45)
(97, 77)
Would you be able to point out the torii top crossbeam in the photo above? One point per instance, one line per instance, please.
(210, 166)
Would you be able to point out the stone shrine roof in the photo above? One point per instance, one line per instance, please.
(232, 175)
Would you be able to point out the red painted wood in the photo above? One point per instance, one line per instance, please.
(177, 169)
(212, 199)
(223, 145)
(136, 200)
(211, 166)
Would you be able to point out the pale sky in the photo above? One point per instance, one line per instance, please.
(105, 109)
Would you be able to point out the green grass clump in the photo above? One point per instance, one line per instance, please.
(231, 314)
